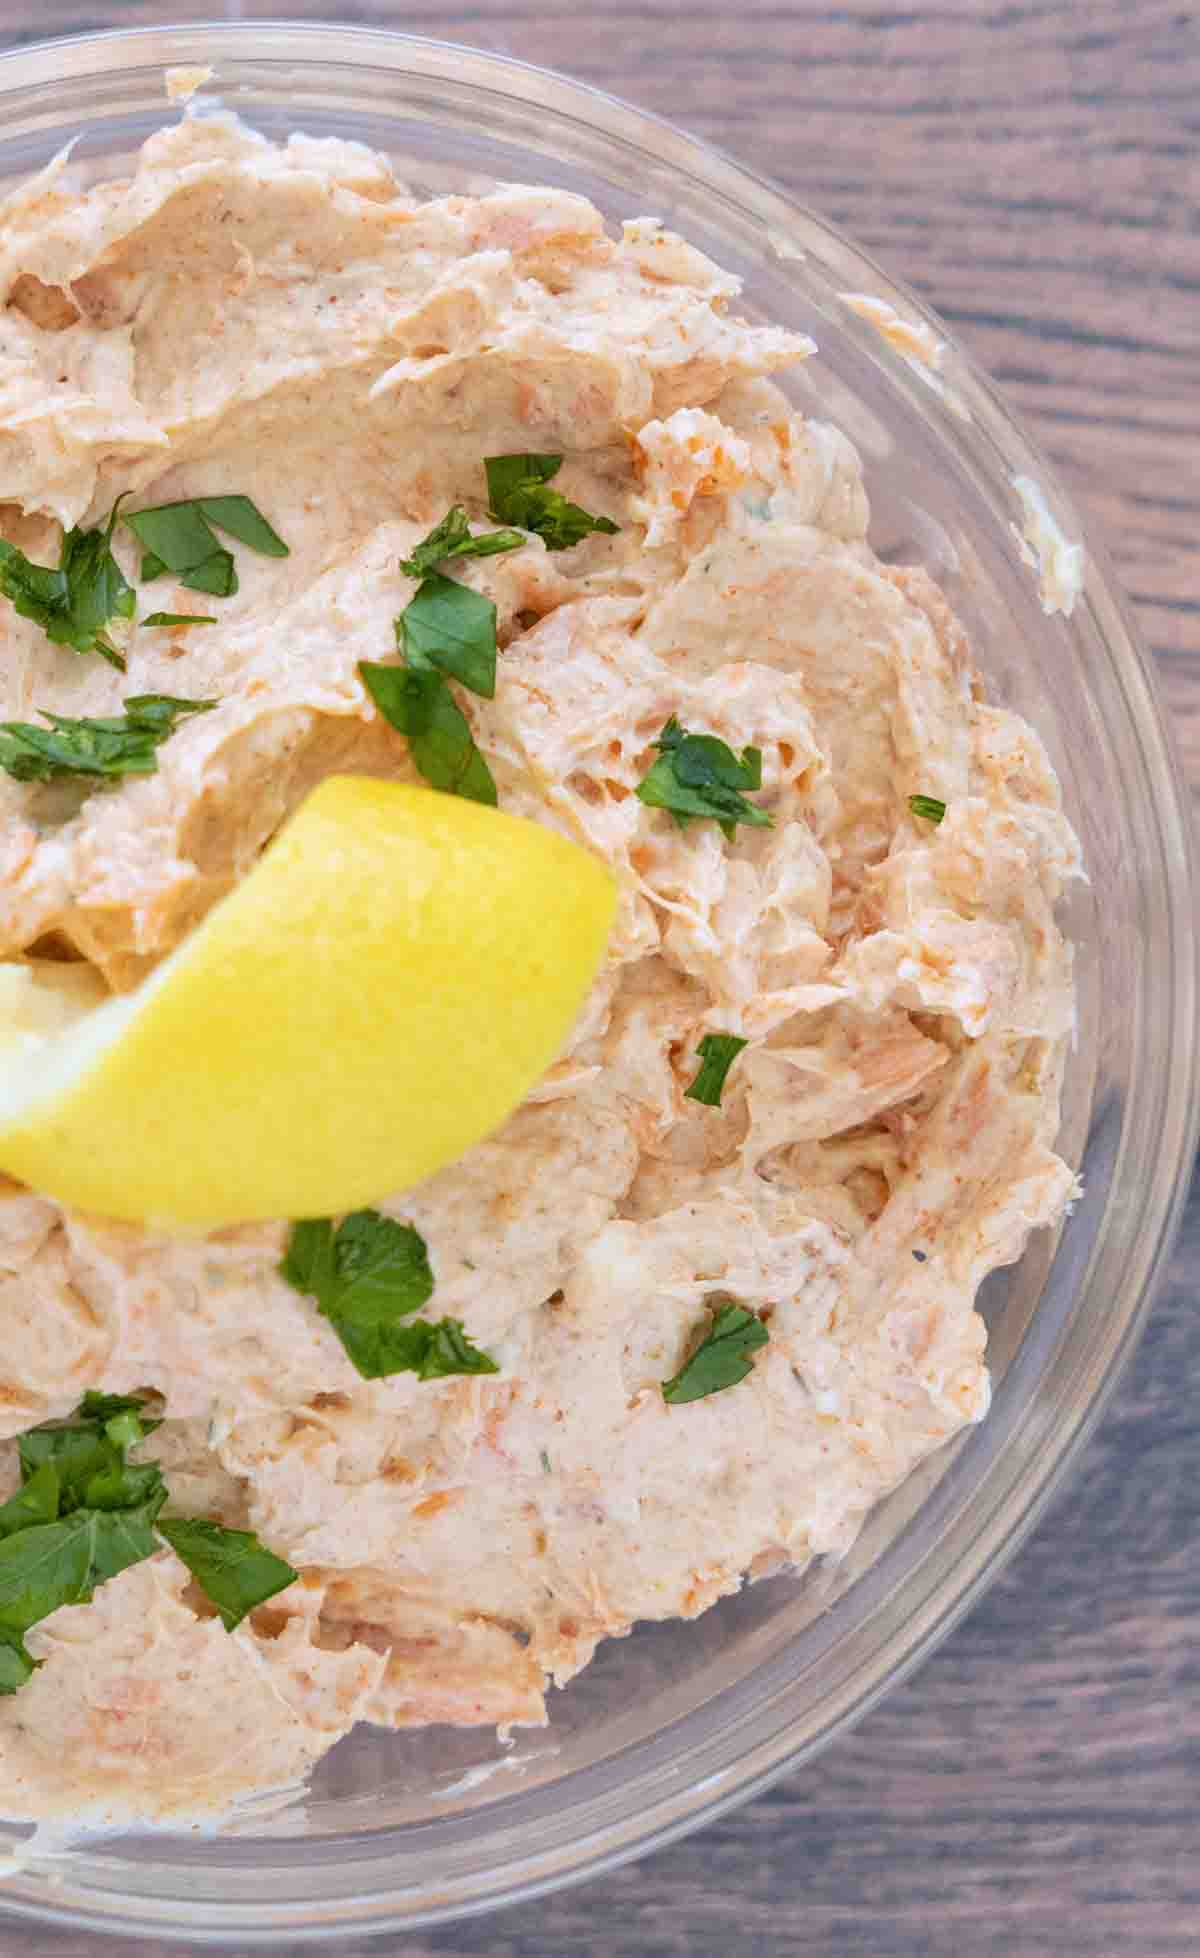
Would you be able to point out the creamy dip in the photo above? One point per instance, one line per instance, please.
(289, 324)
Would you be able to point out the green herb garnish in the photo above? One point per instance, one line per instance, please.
(722, 1358)
(716, 1054)
(16, 1666)
(89, 1456)
(180, 537)
(422, 707)
(452, 538)
(75, 602)
(518, 494)
(85, 1512)
(929, 806)
(36, 1502)
(61, 1563)
(697, 775)
(107, 1407)
(449, 628)
(234, 1570)
(118, 745)
(446, 630)
(178, 618)
(441, 1348)
(367, 1276)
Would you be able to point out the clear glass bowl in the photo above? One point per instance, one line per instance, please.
(673, 1724)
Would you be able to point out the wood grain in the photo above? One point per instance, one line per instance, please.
(1034, 170)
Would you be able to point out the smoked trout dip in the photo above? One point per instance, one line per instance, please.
(288, 324)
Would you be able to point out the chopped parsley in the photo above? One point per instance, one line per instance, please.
(115, 746)
(88, 1456)
(442, 1348)
(449, 628)
(234, 1570)
(35, 1502)
(82, 1514)
(722, 1358)
(697, 775)
(63, 1562)
(518, 493)
(452, 538)
(178, 618)
(106, 1407)
(445, 631)
(716, 1053)
(931, 807)
(89, 1460)
(85, 1512)
(421, 706)
(16, 1666)
(76, 601)
(368, 1276)
(181, 537)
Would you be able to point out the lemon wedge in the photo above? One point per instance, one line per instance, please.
(377, 994)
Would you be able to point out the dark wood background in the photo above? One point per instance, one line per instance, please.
(1034, 170)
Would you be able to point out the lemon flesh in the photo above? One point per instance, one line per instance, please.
(376, 995)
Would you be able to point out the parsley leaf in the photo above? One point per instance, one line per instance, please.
(216, 575)
(452, 538)
(86, 1512)
(518, 494)
(421, 706)
(88, 1456)
(434, 1349)
(115, 746)
(36, 1502)
(722, 1357)
(448, 1351)
(120, 1415)
(75, 1453)
(16, 1666)
(176, 536)
(717, 1053)
(233, 1569)
(697, 775)
(97, 589)
(61, 1563)
(366, 1277)
(158, 713)
(508, 475)
(452, 628)
(75, 602)
(103, 1407)
(178, 618)
(446, 629)
(180, 537)
(929, 806)
(242, 519)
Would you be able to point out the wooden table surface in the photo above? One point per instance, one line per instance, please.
(1034, 169)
